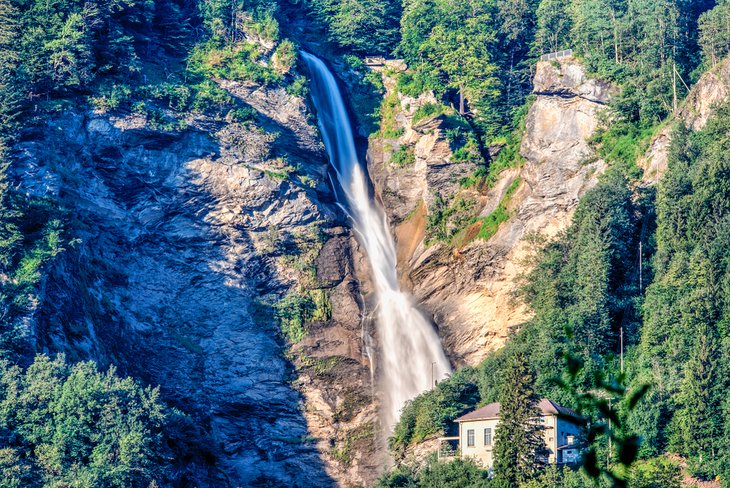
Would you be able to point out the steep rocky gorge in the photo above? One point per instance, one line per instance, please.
(187, 247)
(468, 284)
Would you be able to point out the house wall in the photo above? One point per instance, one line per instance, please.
(479, 452)
(555, 434)
(565, 428)
(549, 423)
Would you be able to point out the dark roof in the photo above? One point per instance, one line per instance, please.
(547, 407)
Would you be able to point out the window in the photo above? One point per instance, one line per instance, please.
(470, 438)
(487, 437)
(571, 439)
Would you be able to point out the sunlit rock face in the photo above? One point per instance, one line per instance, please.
(183, 240)
(712, 88)
(470, 290)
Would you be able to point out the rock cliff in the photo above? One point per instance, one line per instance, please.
(468, 283)
(712, 88)
(188, 245)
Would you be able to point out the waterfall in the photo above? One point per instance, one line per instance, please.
(410, 350)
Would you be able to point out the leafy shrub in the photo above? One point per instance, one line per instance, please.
(111, 97)
(299, 87)
(411, 83)
(239, 62)
(285, 57)
(404, 156)
(656, 473)
(76, 426)
(431, 413)
(209, 97)
(428, 110)
(175, 96)
(263, 25)
(298, 308)
(241, 115)
(388, 110)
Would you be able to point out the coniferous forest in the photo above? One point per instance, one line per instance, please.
(629, 305)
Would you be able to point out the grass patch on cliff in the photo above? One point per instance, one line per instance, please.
(239, 62)
(320, 366)
(484, 228)
(444, 220)
(622, 144)
(388, 110)
(299, 308)
(428, 111)
(508, 156)
(491, 223)
(404, 156)
(345, 448)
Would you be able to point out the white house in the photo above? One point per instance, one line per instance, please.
(562, 430)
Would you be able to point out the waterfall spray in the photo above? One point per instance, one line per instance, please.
(411, 356)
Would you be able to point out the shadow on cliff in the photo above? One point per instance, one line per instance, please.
(165, 285)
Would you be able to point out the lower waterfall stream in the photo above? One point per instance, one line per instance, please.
(410, 353)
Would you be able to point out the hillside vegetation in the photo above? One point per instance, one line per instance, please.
(64, 424)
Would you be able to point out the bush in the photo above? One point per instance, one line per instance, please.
(239, 62)
(411, 83)
(659, 472)
(404, 156)
(111, 97)
(177, 97)
(388, 125)
(70, 425)
(428, 110)
(299, 87)
(298, 308)
(285, 57)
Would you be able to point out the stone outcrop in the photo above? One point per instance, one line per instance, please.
(469, 290)
(183, 244)
(712, 88)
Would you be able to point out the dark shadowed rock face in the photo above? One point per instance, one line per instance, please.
(183, 245)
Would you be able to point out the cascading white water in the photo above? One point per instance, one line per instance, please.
(411, 353)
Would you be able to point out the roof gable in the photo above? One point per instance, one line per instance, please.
(546, 407)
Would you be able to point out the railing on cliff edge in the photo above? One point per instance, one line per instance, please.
(556, 55)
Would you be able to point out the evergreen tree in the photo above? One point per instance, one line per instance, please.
(697, 423)
(519, 443)
(714, 37)
(9, 62)
(553, 26)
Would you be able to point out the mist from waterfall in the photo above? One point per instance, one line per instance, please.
(410, 350)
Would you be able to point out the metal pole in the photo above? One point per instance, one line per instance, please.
(622, 349)
(641, 269)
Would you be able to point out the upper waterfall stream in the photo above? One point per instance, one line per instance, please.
(410, 350)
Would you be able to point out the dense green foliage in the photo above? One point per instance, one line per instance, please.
(360, 26)
(63, 425)
(684, 340)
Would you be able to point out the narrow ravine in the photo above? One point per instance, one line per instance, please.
(410, 355)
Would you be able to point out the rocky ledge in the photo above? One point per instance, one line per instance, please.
(469, 288)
